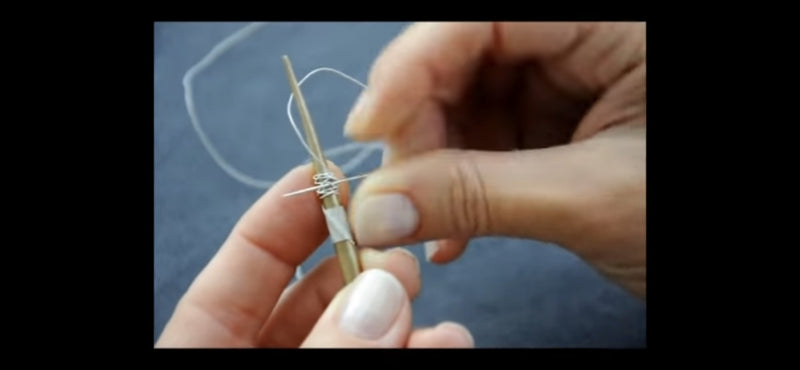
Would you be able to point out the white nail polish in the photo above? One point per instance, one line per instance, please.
(373, 305)
(406, 252)
(387, 155)
(430, 249)
(384, 219)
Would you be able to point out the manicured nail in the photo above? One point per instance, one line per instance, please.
(407, 253)
(357, 114)
(383, 219)
(387, 155)
(430, 249)
(373, 305)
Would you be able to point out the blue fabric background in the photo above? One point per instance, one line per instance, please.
(509, 293)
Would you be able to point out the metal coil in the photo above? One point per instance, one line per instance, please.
(328, 185)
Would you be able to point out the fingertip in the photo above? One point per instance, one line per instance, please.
(427, 62)
(387, 156)
(407, 254)
(398, 261)
(372, 311)
(445, 250)
(445, 335)
(414, 280)
(356, 125)
(459, 334)
(431, 247)
(298, 176)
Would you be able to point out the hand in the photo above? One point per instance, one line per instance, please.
(239, 300)
(533, 130)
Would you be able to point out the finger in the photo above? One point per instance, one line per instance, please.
(445, 250)
(546, 194)
(430, 130)
(428, 62)
(596, 56)
(434, 62)
(373, 311)
(428, 133)
(625, 102)
(234, 294)
(296, 314)
(444, 335)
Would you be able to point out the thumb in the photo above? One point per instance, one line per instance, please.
(372, 311)
(548, 194)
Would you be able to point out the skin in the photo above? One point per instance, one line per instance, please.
(241, 299)
(532, 130)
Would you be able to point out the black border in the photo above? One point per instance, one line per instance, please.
(122, 253)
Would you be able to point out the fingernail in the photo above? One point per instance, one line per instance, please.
(356, 114)
(374, 257)
(407, 253)
(373, 304)
(430, 249)
(382, 219)
(387, 155)
(371, 257)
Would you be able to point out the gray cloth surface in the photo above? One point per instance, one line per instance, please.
(508, 292)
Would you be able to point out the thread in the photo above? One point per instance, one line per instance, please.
(365, 148)
(326, 184)
(318, 186)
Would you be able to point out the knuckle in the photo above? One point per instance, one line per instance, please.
(468, 205)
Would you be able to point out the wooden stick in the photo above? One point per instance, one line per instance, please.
(346, 249)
